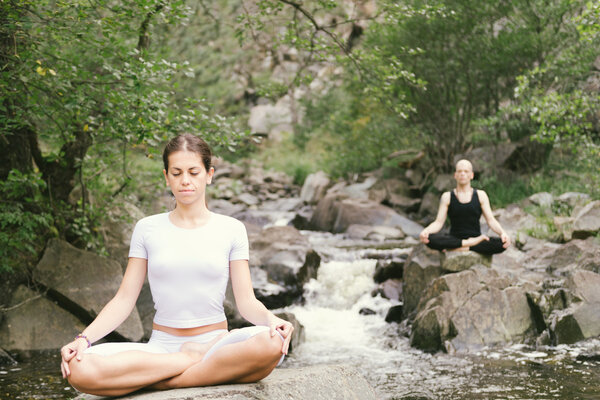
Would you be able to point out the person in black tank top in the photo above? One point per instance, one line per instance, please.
(464, 206)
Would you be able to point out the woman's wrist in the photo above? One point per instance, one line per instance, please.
(82, 336)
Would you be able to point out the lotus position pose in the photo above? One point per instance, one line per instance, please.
(464, 205)
(188, 254)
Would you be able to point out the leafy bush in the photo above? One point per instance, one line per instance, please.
(25, 220)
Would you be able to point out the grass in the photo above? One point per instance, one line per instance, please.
(285, 156)
(562, 173)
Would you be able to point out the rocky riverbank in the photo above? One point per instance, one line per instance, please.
(538, 291)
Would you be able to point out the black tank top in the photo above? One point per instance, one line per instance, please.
(464, 217)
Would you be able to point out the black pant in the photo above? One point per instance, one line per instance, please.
(441, 241)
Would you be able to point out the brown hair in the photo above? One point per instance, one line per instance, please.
(188, 142)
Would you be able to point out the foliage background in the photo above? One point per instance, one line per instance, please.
(90, 91)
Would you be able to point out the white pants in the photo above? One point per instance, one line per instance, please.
(162, 342)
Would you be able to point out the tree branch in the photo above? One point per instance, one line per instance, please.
(144, 36)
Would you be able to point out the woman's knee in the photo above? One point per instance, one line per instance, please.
(269, 346)
(84, 374)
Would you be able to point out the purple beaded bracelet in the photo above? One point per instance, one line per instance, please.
(81, 335)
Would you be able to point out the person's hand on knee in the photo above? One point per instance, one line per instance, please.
(285, 329)
(424, 236)
(505, 240)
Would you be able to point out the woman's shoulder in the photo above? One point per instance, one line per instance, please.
(152, 220)
(226, 220)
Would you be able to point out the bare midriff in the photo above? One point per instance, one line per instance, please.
(197, 330)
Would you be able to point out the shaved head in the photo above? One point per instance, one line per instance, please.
(464, 164)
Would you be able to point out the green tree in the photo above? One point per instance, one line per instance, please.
(81, 85)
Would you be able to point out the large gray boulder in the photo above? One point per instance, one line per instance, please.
(314, 188)
(320, 382)
(334, 213)
(581, 320)
(471, 309)
(36, 323)
(422, 266)
(84, 282)
(456, 261)
(288, 260)
(587, 221)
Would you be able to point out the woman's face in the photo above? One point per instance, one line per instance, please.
(187, 177)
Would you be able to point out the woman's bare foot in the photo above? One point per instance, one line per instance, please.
(473, 241)
(198, 350)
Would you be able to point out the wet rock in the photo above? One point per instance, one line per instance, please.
(422, 266)
(391, 289)
(575, 325)
(359, 190)
(581, 320)
(366, 311)
(222, 206)
(246, 198)
(282, 204)
(384, 190)
(394, 314)
(336, 214)
(84, 282)
(321, 382)
(36, 323)
(385, 270)
(315, 187)
(376, 233)
(271, 294)
(6, 359)
(298, 335)
(471, 309)
(456, 261)
(287, 257)
(576, 254)
(302, 218)
(587, 221)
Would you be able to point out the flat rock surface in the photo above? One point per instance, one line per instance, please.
(326, 382)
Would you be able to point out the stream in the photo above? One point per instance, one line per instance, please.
(336, 333)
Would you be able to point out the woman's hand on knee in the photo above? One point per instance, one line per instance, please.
(70, 350)
(285, 329)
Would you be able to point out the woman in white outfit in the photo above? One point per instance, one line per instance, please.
(189, 254)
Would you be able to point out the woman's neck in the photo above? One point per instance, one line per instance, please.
(190, 216)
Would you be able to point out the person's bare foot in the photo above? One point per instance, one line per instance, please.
(473, 241)
(198, 350)
(458, 249)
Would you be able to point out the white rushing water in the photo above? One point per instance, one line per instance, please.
(337, 333)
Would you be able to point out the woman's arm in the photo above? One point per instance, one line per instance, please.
(492, 222)
(250, 308)
(440, 219)
(112, 315)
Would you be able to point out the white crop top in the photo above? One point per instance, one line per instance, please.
(188, 269)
